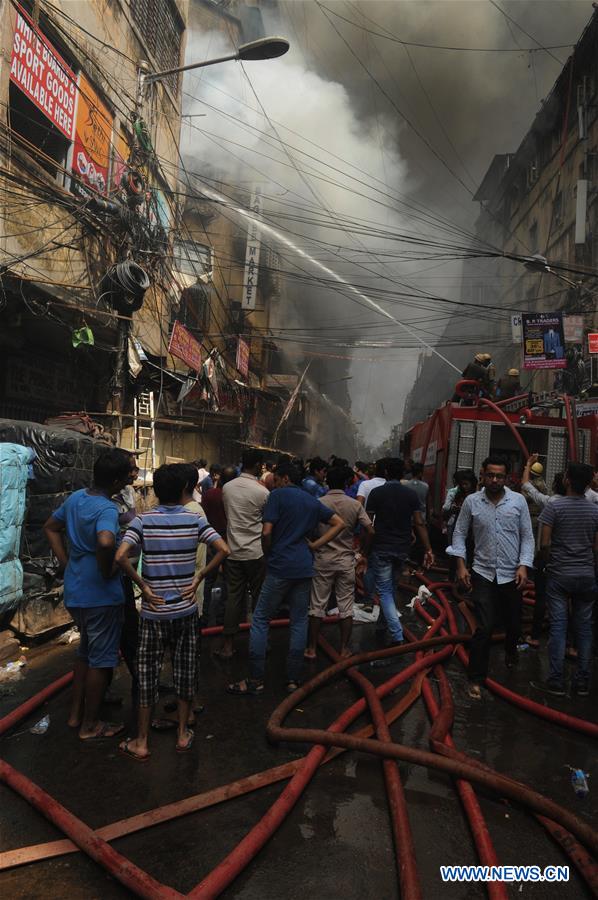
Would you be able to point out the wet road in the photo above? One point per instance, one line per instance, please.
(337, 841)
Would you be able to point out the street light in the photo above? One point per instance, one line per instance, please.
(263, 48)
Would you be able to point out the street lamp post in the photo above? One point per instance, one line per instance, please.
(263, 48)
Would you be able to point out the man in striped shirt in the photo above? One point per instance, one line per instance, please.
(168, 536)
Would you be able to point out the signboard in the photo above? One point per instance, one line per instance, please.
(516, 331)
(242, 357)
(593, 343)
(586, 408)
(543, 341)
(38, 70)
(431, 453)
(252, 253)
(93, 137)
(183, 345)
(282, 382)
(573, 329)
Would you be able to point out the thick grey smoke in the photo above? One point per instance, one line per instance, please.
(468, 106)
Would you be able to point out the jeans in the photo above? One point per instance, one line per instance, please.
(492, 602)
(387, 569)
(274, 591)
(582, 590)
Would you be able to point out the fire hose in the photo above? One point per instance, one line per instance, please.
(441, 742)
(304, 769)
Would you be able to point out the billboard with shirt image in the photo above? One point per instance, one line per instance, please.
(543, 341)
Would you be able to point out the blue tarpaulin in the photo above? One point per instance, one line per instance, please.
(14, 472)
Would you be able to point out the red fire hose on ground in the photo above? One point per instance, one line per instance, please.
(303, 770)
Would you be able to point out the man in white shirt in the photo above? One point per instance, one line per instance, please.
(503, 553)
(366, 487)
(244, 500)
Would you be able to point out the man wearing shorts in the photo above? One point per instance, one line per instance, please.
(93, 593)
(335, 562)
(168, 537)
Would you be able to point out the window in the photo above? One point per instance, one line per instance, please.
(191, 258)
(161, 28)
(32, 125)
(194, 310)
(557, 210)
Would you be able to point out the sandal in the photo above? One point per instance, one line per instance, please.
(292, 686)
(107, 730)
(474, 692)
(246, 688)
(126, 751)
(184, 748)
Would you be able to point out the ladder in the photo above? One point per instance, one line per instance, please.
(145, 429)
(466, 445)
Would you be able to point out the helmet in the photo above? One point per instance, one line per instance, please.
(513, 372)
(538, 469)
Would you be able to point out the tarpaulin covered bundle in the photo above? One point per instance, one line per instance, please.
(14, 472)
(63, 463)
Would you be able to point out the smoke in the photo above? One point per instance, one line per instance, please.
(467, 107)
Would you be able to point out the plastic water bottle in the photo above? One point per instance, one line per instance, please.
(579, 783)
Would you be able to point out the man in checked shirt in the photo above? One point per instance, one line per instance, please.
(504, 550)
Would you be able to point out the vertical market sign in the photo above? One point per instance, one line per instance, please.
(93, 137)
(543, 341)
(252, 252)
(40, 72)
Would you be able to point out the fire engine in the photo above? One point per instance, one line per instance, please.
(460, 435)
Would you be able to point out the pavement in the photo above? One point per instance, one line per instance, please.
(337, 841)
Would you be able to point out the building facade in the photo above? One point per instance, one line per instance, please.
(540, 199)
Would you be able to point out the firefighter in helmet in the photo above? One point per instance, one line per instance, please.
(508, 385)
(480, 369)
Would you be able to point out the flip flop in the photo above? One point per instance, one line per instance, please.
(163, 724)
(108, 730)
(189, 743)
(251, 689)
(126, 751)
(292, 686)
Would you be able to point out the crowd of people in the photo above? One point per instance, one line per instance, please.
(304, 538)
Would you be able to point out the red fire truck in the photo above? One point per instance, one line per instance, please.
(461, 435)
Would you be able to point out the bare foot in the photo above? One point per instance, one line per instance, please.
(73, 723)
(345, 652)
(309, 653)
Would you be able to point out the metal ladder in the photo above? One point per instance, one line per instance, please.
(145, 429)
(466, 445)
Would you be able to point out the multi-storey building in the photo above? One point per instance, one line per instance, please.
(541, 199)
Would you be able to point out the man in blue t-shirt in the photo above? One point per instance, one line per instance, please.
(93, 593)
(290, 517)
(313, 483)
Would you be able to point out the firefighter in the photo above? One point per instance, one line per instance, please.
(482, 371)
(509, 386)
